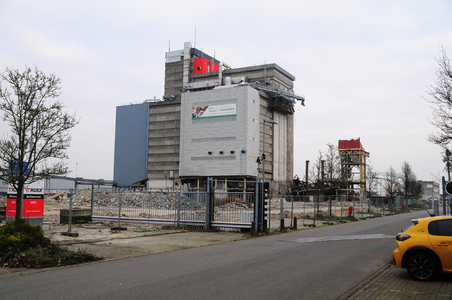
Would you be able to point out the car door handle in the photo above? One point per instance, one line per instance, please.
(442, 244)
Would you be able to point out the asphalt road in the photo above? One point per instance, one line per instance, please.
(323, 263)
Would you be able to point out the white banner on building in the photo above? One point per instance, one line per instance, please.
(213, 111)
(174, 56)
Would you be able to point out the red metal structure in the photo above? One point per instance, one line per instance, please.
(203, 65)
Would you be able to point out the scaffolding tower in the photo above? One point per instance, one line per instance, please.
(353, 169)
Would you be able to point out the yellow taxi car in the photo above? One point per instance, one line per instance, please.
(425, 248)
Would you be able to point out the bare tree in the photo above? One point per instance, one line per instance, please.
(35, 148)
(440, 94)
(315, 173)
(332, 166)
(371, 181)
(410, 187)
(326, 170)
(392, 183)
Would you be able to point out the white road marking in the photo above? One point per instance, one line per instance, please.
(341, 238)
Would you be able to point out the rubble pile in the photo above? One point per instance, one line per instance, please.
(234, 206)
(155, 200)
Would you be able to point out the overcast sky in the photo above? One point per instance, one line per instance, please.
(363, 66)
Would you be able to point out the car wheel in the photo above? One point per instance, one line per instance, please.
(422, 267)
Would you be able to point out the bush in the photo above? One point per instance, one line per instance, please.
(28, 236)
(28, 247)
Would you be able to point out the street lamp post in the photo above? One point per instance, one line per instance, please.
(263, 168)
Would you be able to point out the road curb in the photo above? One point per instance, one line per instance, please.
(116, 238)
(365, 282)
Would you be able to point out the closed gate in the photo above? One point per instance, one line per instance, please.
(215, 207)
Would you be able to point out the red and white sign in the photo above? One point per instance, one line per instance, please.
(33, 204)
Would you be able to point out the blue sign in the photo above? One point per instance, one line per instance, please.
(14, 167)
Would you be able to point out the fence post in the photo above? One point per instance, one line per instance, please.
(92, 200)
(70, 214)
(256, 207)
(304, 210)
(206, 209)
(119, 215)
(120, 204)
(178, 208)
(149, 206)
(329, 207)
(281, 213)
(209, 203)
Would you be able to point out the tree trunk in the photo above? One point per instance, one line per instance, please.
(20, 195)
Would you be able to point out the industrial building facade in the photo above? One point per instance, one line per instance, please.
(214, 121)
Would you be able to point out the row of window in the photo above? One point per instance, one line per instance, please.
(169, 138)
(164, 122)
(164, 155)
(166, 163)
(165, 130)
(165, 114)
(164, 147)
(223, 157)
(216, 120)
(215, 139)
(160, 171)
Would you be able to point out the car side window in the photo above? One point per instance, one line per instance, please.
(442, 228)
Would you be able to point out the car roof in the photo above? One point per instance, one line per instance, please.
(434, 218)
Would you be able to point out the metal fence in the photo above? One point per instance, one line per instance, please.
(175, 207)
(336, 209)
(233, 209)
(152, 207)
(223, 207)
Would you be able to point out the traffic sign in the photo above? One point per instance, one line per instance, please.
(449, 187)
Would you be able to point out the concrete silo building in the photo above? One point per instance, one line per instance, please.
(214, 121)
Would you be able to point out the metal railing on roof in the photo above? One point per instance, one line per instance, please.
(276, 93)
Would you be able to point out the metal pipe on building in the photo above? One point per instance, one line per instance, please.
(220, 74)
